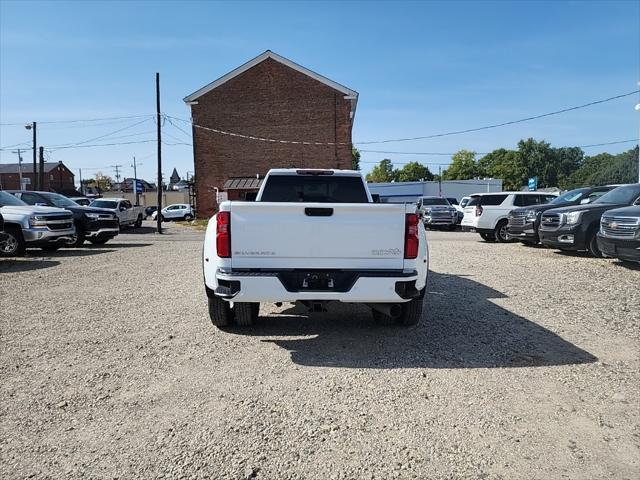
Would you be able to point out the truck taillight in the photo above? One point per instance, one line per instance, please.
(478, 211)
(411, 240)
(223, 234)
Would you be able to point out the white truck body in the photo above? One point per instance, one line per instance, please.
(127, 213)
(276, 248)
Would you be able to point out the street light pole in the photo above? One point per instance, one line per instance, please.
(33, 126)
(638, 110)
(135, 181)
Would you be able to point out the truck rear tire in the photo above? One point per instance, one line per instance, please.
(412, 311)
(500, 233)
(245, 314)
(138, 223)
(219, 312)
(14, 245)
(487, 237)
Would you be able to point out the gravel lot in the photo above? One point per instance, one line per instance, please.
(525, 367)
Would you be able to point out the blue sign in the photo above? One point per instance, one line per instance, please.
(533, 183)
(139, 187)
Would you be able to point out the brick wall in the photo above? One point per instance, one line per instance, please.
(54, 180)
(274, 101)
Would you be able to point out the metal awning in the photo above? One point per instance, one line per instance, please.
(245, 183)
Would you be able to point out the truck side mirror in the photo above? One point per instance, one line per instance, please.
(584, 201)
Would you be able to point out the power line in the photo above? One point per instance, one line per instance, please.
(101, 136)
(86, 120)
(496, 125)
(107, 144)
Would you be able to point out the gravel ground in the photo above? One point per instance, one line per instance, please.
(525, 366)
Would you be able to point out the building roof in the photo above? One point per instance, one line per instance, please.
(27, 167)
(242, 183)
(348, 93)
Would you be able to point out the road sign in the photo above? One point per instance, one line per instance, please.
(139, 187)
(533, 183)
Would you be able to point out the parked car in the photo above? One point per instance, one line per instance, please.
(84, 201)
(315, 236)
(148, 211)
(437, 212)
(524, 221)
(96, 225)
(128, 215)
(619, 235)
(177, 211)
(487, 213)
(455, 204)
(28, 226)
(576, 227)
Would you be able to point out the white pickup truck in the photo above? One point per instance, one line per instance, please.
(127, 213)
(315, 236)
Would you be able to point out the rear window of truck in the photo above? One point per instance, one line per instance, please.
(309, 188)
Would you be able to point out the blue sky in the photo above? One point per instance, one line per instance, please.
(420, 68)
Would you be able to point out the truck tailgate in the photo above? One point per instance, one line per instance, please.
(274, 235)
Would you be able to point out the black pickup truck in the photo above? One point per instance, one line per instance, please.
(576, 227)
(619, 235)
(524, 221)
(96, 225)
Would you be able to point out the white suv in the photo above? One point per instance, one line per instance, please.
(486, 213)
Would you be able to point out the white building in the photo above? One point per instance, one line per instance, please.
(402, 192)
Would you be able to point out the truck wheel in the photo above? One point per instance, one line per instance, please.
(488, 237)
(412, 311)
(592, 246)
(14, 245)
(138, 223)
(245, 314)
(219, 312)
(500, 233)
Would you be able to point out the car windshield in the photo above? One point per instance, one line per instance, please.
(570, 196)
(8, 200)
(59, 200)
(624, 195)
(435, 201)
(104, 204)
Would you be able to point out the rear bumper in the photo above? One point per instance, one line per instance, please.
(280, 286)
(618, 248)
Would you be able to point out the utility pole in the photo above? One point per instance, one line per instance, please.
(439, 180)
(81, 190)
(32, 126)
(159, 125)
(135, 181)
(117, 168)
(19, 167)
(41, 172)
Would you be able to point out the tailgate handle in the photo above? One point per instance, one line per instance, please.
(318, 212)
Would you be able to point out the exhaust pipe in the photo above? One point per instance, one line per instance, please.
(392, 310)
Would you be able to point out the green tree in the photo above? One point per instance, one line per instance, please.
(355, 159)
(503, 164)
(463, 166)
(381, 173)
(413, 172)
(605, 168)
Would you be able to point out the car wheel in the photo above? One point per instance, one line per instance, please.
(592, 246)
(500, 233)
(219, 312)
(80, 238)
(14, 245)
(138, 223)
(188, 217)
(488, 237)
(245, 314)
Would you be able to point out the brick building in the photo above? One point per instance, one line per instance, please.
(57, 177)
(269, 97)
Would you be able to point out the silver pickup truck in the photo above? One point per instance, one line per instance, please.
(26, 226)
(127, 213)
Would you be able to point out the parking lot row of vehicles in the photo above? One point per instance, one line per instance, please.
(602, 220)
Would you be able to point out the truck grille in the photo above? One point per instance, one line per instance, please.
(59, 222)
(550, 221)
(516, 219)
(619, 227)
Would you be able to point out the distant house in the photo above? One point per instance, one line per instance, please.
(272, 98)
(173, 179)
(57, 177)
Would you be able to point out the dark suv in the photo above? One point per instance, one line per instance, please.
(524, 222)
(619, 235)
(94, 224)
(576, 227)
